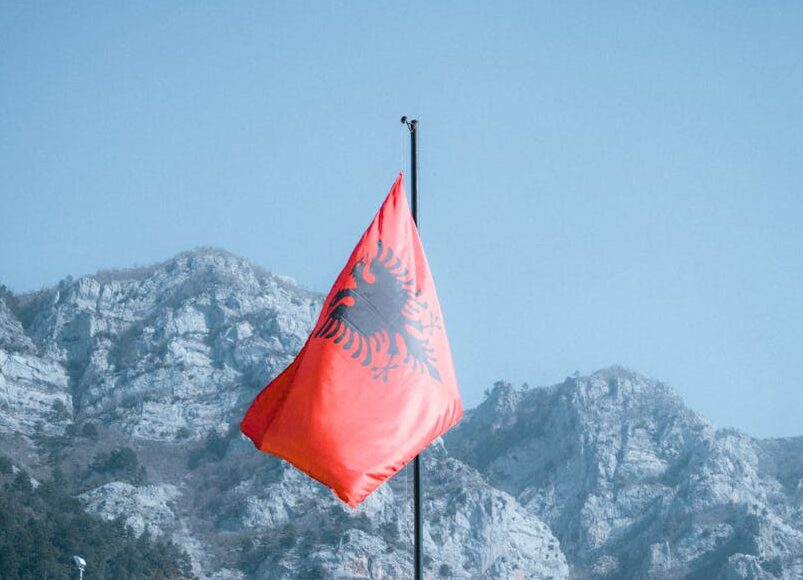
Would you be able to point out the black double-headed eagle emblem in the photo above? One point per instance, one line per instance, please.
(381, 316)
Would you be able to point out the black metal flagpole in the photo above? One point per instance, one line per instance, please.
(418, 516)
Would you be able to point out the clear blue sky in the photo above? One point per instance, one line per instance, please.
(601, 182)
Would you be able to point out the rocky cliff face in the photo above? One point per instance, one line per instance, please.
(179, 346)
(132, 383)
(635, 485)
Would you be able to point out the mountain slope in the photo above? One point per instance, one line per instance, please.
(41, 528)
(132, 383)
(634, 484)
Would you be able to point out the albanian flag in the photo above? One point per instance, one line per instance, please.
(374, 384)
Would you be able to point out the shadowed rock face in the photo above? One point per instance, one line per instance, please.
(132, 384)
(634, 484)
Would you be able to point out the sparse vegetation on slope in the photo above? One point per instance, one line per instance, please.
(42, 528)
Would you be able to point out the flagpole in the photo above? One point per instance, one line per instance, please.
(418, 515)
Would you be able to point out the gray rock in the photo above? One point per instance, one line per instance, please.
(164, 360)
(634, 484)
(606, 476)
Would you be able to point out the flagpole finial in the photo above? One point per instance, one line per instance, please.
(412, 125)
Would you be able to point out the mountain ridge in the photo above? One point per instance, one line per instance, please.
(632, 461)
(132, 383)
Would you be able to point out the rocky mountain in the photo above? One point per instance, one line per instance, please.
(636, 485)
(130, 385)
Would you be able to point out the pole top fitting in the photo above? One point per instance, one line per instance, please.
(411, 125)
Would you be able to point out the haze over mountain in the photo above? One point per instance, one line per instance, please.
(131, 384)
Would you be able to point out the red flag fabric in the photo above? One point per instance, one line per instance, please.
(374, 384)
